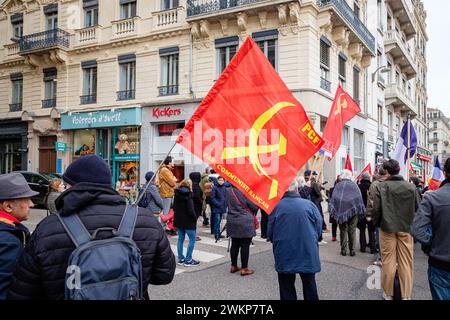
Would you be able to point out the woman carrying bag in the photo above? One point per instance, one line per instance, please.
(241, 228)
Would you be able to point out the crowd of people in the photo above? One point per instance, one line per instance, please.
(388, 211)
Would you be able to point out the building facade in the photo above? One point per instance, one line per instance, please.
(119, 78)
(439, 134)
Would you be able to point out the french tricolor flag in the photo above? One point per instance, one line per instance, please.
(437, 177)
(400, 152)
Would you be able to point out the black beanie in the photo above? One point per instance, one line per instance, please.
(89, 168)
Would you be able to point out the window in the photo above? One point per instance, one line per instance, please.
(380, 15)
(268, 42)
(389, 74)
(17, 88)
(50, 85)
(325, 45)
(434, 125)
(51, 16)
(345, 137)
(435, 136)
(356, 83)
(358, 148)
(435, 147)
(397, 127)
(169, 71)
(226, 49)
(342, 60)
(380, 119)
(90, 13)
(169, 4)
(89, 82)
(397, 78)
(390, 122)
(127, 9)
(127, 71)
(167, 129)
(356, 8)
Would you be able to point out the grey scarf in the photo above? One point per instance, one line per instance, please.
(346, 202)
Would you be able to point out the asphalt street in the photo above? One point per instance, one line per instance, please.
(341, 278)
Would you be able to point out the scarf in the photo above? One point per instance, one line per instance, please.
(346, 202)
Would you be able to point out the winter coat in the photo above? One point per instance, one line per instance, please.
(41, 270)
(197, 192)
(395, 203)
(295, 226)
(13, 237)
(346, 202)
(50, 201)
(364, 187)
(155, 203)
(218, 198)
(240, 222)
(371, 197)
(434, 211)
(167, 182)
(183, 207)
(316, 194)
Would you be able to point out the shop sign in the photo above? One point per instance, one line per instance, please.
(101, 119)
(61, 146)
(424, 157)
(127, 157)
(166, 112)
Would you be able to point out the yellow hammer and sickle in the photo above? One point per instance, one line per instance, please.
(341, 105)
(254, 150)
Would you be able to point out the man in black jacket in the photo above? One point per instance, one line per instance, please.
(41, 270)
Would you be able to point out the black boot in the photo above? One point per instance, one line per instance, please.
(343, 253)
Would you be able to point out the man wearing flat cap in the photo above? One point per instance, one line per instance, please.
(15, 207)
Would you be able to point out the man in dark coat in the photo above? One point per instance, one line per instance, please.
(295, 226)
(364, 187)
(15, 207)
(218, 204)
(196, 177)
(41, 270)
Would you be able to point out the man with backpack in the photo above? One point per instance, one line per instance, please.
(120, 253)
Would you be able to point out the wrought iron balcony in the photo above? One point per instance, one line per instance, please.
(45, 40)
(13, 107)
(351, 19)
(49, 103)
(325, 84)
(197, 7)
(126, 95)
(168, 90)
(87, 99)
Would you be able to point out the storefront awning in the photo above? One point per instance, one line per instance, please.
(101, 119)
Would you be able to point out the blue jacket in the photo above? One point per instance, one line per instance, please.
(218, 200)
(13, 237)
(294, 229)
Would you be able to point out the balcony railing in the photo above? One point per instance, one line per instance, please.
(196, 7)
(14, 107)
(12, 49)
(87, 99)
(126, 95)
(433, 140)
(87, 34)
(49, 103)
(44, 40)
(325, 84)
(125, 27)
(168, 90)
(392, 36)
(352, 19)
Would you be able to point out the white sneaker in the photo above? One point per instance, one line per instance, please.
(321, 243)
(386, 297)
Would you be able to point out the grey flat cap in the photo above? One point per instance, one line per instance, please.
(14, 186)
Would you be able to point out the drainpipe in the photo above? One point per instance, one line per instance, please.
(191, 91)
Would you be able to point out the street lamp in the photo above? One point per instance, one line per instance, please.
(382, 69)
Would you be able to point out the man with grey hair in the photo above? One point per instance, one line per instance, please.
(15, 204)
(295, 226)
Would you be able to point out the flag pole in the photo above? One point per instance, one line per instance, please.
(147, 184)
(409, 147)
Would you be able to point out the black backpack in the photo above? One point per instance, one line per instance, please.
(144, 202)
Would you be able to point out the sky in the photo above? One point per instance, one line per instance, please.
(438, 54)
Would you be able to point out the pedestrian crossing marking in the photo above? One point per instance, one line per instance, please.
(199, 255)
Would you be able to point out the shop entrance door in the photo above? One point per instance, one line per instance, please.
(47, 154)
(104, 144)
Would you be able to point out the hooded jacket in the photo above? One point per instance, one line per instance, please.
(183, 207)
(13, 237)
(41, 270)
(218, 198)
(197, 192)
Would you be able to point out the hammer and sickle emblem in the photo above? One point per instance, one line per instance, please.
(341, 104)
(253, 150)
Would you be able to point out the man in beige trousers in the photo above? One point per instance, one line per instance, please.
(394, 207)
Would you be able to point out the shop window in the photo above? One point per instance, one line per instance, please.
(167, 129)
(84, 142)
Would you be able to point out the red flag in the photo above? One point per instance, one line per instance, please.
(344, 108)
(368, 169)
(348, 163)
(276, 138)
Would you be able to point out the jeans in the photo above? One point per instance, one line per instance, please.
(181, 235)
(286, 282)
(217, 220)
(439, 283)
(244, 245)
(167, 202)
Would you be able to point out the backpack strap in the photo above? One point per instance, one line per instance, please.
(75, 229)
(128, 222)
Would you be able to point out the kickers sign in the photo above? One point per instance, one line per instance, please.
(165, 112)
